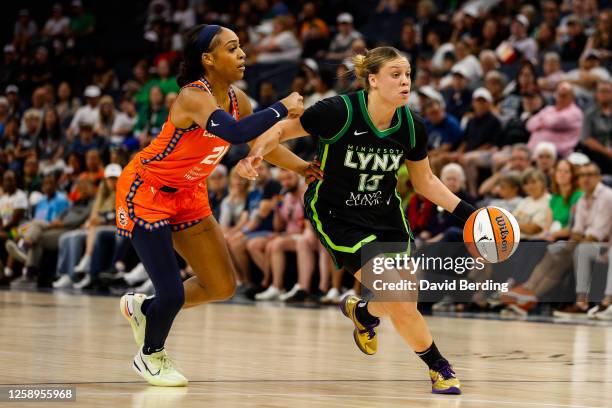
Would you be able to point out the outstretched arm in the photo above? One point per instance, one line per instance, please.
(268, 146)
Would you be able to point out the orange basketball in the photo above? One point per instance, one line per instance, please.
(491, 233)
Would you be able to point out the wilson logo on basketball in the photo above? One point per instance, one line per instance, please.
(503, 232)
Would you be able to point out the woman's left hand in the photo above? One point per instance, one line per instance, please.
(313, 172)
(246, 167)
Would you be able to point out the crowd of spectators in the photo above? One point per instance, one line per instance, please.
(516, 97)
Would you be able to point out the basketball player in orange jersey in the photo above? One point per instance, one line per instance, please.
(363, 138)
(162, 201)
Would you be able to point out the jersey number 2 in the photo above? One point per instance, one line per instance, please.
(214, 158)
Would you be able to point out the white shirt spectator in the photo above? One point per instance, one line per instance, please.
(54, 27)
(342, 43)
(185, 19)
(471, 67)
(531, 211)
(122, 126)
(9, 203)
(437, 60)
(288, 46)
(316, 97)
(527, 46)
(85, 114)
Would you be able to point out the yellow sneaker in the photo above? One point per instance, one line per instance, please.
(130, 309)
(444, 381)
(365, 336)
(158, 369)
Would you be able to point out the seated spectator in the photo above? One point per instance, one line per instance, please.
(593, 226)
(586, 255)
(88, 113)
(13, 208)
(517, 163)
(507, 192)
(448, 227)
(596, 134)
(101, 220)
(289, 225)
(280, 46)
(40, 236)
(409, 42)
(553, 74)
(106, 119)
(444, 133)
(32, 180)
(151, 117)
(57, 25)
(26, 143)
(525, 83)
(422, 215)
(546, 38)
(469, 65)
(593, 223)
(531, 212)
(601, 40)
(495, 83)
(559, 124)
(323, 88)
(458, 95)
(312, 31)
(94, 172)
(519, 45)
(66, 104)
(565, 195)
(217, 189)
(515, 129)
(122, 132)
(573, 45)
(586, 76)
(259, 227)
(340, 46)
(86, 140)
(50, 143)
(232, 215)
(545, 156)
(481, 139)
(48, 208)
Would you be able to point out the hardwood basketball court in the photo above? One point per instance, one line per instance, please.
(274, 356)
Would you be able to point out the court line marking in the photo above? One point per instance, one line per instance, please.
(369, 396)
(315, 381)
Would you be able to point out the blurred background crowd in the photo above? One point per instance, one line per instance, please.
(516, 96)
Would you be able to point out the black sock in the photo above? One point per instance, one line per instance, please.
(145, 305)
(362, 314)
(150, 350)
(432, 357)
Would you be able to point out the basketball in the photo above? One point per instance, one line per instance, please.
(492, 233)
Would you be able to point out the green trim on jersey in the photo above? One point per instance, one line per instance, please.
(319, 225)
(347, 124)
(368, 119)
(411, 127)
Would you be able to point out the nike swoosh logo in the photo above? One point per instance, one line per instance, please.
(360, 133)
(145, 364)
(213, 124)
(275, 111)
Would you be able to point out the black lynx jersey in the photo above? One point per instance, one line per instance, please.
(357, 201)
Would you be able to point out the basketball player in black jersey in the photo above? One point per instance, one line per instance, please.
(363, 139)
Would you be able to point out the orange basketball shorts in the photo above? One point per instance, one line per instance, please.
(139, 201)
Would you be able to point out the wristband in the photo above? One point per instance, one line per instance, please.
(463, 210)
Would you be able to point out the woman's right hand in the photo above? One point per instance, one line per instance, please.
(294, 104)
